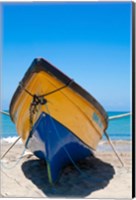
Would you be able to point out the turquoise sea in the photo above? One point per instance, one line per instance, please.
(118, 129)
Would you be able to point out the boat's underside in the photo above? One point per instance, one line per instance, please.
(51, 141)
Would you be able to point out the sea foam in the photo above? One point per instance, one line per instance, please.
(11, 140)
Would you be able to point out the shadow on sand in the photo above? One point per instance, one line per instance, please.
(95, 175)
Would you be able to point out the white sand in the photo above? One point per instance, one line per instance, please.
(102, 176)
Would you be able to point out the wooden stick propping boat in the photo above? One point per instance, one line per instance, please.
(56, 118)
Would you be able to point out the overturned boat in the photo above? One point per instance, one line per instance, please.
(57, 119)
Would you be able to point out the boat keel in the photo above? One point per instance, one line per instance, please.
(51, 141)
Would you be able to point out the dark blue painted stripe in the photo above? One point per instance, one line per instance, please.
(53, 142)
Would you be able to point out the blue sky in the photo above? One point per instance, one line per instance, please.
(90, 42)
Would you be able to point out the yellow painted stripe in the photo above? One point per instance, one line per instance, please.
(66, 106)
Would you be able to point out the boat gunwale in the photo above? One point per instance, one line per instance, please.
(39, 64)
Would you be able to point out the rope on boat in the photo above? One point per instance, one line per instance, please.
(46, 94)
(110, 142)
(5, 113)
(18, 160)
(39, 99)
(10, 147)
(119, 116)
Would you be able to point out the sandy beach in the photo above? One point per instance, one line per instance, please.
(100, 176)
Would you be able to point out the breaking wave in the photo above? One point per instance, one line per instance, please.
(11, 140)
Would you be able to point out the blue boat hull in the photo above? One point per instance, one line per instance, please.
(51, 141)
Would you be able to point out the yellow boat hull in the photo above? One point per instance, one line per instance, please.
(72, 106)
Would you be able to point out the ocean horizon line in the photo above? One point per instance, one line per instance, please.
(118, 129)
